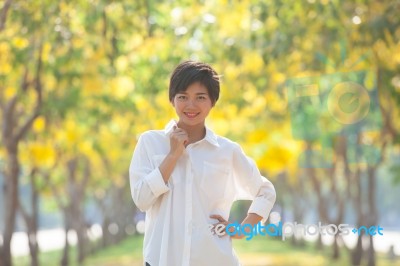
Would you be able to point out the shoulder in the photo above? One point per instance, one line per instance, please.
(226, 143)
(152, 136)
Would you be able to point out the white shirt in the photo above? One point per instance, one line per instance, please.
(208, 177)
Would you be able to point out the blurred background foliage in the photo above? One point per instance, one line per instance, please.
(80, 80)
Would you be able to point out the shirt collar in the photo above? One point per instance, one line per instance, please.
(210, 135)
(169, 127)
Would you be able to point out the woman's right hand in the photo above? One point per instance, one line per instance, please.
(178, 141)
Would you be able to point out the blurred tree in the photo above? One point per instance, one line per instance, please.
(21, 100)
(98, 73)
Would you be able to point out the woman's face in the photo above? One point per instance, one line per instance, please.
(193, 105)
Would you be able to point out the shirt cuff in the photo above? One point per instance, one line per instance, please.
(261, 207)
(156, 182)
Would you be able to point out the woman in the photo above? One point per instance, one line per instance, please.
(186, 178)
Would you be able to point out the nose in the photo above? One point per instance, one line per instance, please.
(191, 102)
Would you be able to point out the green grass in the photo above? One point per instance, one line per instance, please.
(263, 251)
(45, 258)
(260, 251)
(128, 252)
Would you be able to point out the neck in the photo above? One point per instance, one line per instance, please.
(196, 132)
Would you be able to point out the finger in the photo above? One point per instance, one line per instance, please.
(217, 225)
(179, 136)
(218, 217)
(179, 131)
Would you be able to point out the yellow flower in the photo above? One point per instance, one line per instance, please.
(39, 124)
(253, 63)
(5, 68)
(41, 154)
(9, 92)
(20, 43)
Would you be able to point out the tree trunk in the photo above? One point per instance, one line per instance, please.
(298, 212)
(31, 221)
(318, 244)
(10, 202)
(73, 214)
(357, 253)
(336, 250)
(3, 16)
(106, 234)
(82, 242)
(33, 246)
(322, 201)
(336, 253)
(76, 191)
(373, 213)
(65, 256)
(371, 252)
(13, 131)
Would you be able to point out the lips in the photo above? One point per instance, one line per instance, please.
(191, 114)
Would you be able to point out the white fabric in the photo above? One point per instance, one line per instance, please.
(209, 176)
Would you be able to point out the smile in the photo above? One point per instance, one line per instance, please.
(191, 115)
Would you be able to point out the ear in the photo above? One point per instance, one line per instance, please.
(172, 103)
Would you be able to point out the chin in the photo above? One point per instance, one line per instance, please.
(190, 122)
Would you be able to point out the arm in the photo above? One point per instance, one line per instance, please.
(251, 218)
(178, 139)
(250, 185)
(146, 182)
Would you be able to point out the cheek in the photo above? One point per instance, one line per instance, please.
(207, 108)
(177, 105)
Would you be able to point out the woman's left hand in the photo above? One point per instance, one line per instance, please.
(220, 227)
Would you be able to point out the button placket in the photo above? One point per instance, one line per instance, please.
(188, 212)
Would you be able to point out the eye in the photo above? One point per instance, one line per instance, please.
(202, 97)
(181, 97)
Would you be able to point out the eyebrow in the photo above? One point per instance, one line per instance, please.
(199, 93)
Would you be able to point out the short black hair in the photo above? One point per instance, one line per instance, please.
(189, 72)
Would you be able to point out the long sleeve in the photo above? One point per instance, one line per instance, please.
(146, 181)
(251, 185)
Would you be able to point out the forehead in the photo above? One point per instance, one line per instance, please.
(195, 88)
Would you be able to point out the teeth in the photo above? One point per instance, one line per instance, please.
(191, 114)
